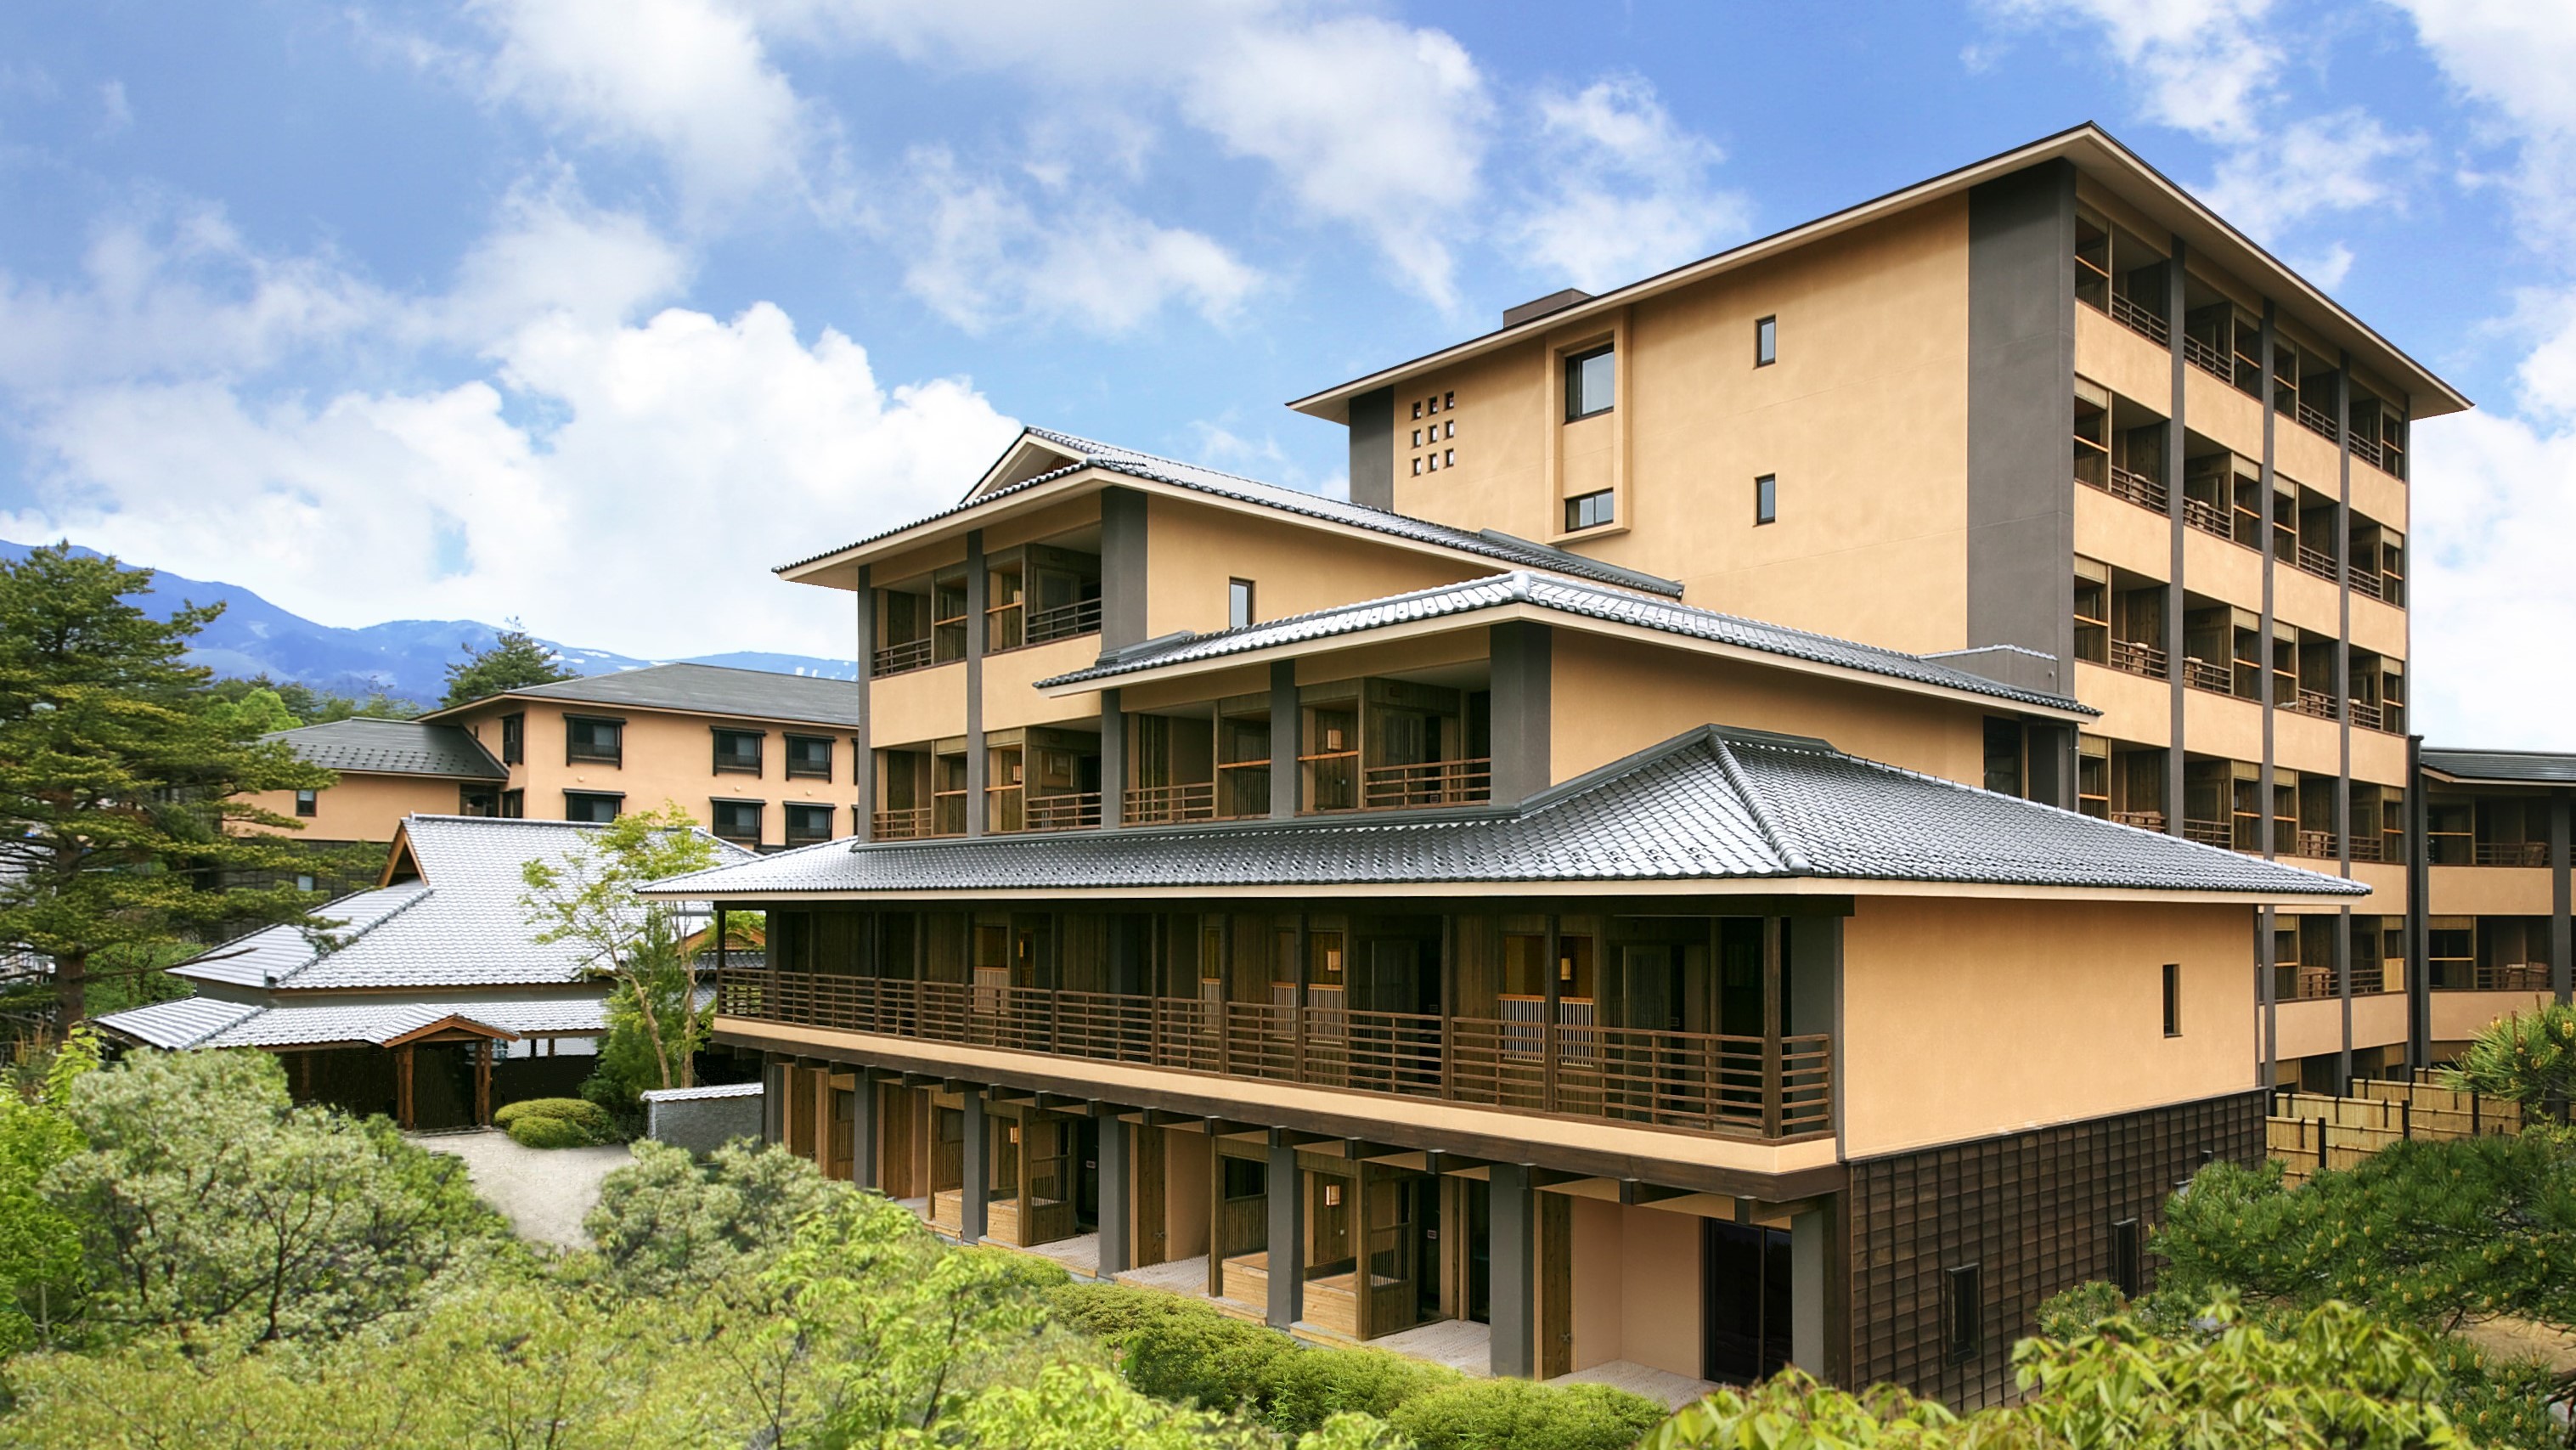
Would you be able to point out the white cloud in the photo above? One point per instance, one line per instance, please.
(2338, 162)
(2206, 66)
(552, 252)
(980, 256)
(116, 113)
(2489, 586)
(689, 79)
(1631, 194)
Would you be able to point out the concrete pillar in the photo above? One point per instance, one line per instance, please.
(1283, 739)
(773, 1101)
(1513, 1261)
(1372, 443)
(863, 757)
(2561, 958)
(976, 586)
(1113, 760)
(864, 1135)
(1117, 1193)
(978, 1152)
(1122, 568)
(1287, 1205)
(1522, 689)
(1810, 1247)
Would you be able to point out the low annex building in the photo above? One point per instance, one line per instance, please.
(427, 998)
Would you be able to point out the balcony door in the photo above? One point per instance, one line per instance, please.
(1744, 1301)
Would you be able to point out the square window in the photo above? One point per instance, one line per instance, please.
(308, 802)
(514, 805)
(738, 821)
(591, 807)
(809, 757)
(808, 824)
(1766, 499)
(1449, 458)
(303, 883)
(599, 741)
(1590, 511)
(1591, 383)
(1238, 603)
(1417, 409)
(738, 752)
(1766, 342)
(1417, 468)
(1449, 429)
(1448, 400)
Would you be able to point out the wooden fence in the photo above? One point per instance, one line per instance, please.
(2311, 1132)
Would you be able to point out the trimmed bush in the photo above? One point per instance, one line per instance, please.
(1113, 1313)
(1026, 1271)
(1309, 1387)
(1206, 1360)
(1491, 1414)
(556, 1123)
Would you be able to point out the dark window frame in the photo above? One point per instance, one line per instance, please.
(514, 805)
(806, 771)
(1242, 604)
(788, 814)
(615, 754)
(735, 764)
(308, 803)
(2173, 999)
(1766, 340)
(616, 805)
(1575, 394)
(514, 738)
(465, 800)
(2128, 1257)
(719, 807)
(1766, 499)
(1963, 1312)
(1575, 510)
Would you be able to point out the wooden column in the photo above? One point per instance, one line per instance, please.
(865, 1131)
(1771, 1027)
(1362, 1284)
(1511, 1265)
(1216, 1212)
(819, 1075)
(483, 1082)
(975, 1181)
(402, 1087)
(304, 1076)
(1117, 1193)
(1547, 1017)
(1287, 1210)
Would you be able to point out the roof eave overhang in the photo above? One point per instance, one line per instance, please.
(1822, 886)
(2200, 227)
(1486, 615)
(693, 711)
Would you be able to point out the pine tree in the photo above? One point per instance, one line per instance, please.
(123, 789)
(514, 662)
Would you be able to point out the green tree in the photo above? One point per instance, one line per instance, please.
(121, 791)
(514, 662)
(671, 1223)
(204, 1197)
(2529, 1057)
(40, 1244)
(310, 706)
(588, 897)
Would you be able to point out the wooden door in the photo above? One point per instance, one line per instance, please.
(1555, 1285)
(1153, 1242)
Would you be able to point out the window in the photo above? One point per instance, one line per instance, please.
(303, 883)
(1448, 400)
(1449, 458)
(739, 822)
(1417, 407)
(1417, 437)
(1435, 463)
(738, 752)
(308, 802)
(1963, 1316)
(2173, 999)
(597, 808)
(808, 824)
(1590, 511)
(1591, 383)
(593, 740)
(809, 757)
(514, 739)
(514, 805)
(2003, 756)
(1449, 429)
(1238, 603)
(1766, 342)
(477, 800)
(1766, 500)
(1417, 468)
(2126, 1268)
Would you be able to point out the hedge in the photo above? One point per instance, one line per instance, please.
(556, 1123)
(1489, 1414)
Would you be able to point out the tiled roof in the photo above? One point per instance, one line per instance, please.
(394, 747)
(701, 1094)
(1711, 804)
(460, 925)
(1565, 596)
(2535, 766)
(1519, 553)
(713, 690)
(196, 1022)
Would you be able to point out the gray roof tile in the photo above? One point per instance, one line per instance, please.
(1565, 596)
(181, 1024)
(2538, 767)
(714, 690)
(394, 747)
(1712, 804)
(1502, 548)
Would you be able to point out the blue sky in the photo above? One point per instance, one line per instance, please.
(590, 312)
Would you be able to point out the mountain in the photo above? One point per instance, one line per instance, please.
(404, 658)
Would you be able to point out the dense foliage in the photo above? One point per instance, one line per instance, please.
(587, 897)
(556, 1123)
(123, 781)
(2529, 1057)
(514, 662)
(304, 705)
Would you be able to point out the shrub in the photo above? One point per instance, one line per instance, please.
(1024, 1271)
(1114, 1313)
(1210, 1361)
(670, 1222)
(1490, 1414)
(556, 1123)
(2529, 1057)
(2077, 1310)
(1311, 1386)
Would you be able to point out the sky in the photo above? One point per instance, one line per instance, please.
(591, 312)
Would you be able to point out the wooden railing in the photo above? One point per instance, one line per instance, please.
(2316, 704)
(1163, 805)
(2137, 659)
(1064, 621)
(2209, 359)
(2210, 833)
(2211, 675)
(904, 825)
(2143, 820)
(2314, 561)
(2138, 319)
(2460, 976)
(2316, 420)
(1696, 1081)
(2511, 853)
(2209, 518)
(894, 659)
(1075, 811)
(1429, 783)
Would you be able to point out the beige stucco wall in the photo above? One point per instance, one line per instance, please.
(2306, 1029)
(1011, 697)
(2460, 1015)
(918, 705)
(1613, 697)
(2489, 891)
(1966, 1018)
(1636, 1286)
(1193, 550)
(363, 807)
(666, 757)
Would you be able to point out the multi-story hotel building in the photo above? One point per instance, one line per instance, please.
(1449, 911)
(762, 760)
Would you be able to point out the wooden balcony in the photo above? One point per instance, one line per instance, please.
(2131, 657)
(1430, 783)
(895, 659)
(1065, 621)
(2138, 318)
(1692, 1081)
(2118, 482)
(1164, 805)
(919, 823)
(1073, 811)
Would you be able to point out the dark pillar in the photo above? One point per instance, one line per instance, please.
(2561, 956)
(1522, 704)
(2343, 706)
(1287, 1205)
(773, 1101)
(863, 756)
(2419, 876)
(2174, 528)
(2021, 383)
(1373, 449)
(1113, 760)
(864, 1135)
(1513, 1265)
(978, 1153)
(1122, 568)
(1117, 1190)
(977, 586)
(1283, 739)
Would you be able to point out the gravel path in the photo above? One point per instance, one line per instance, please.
(543, 1192)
